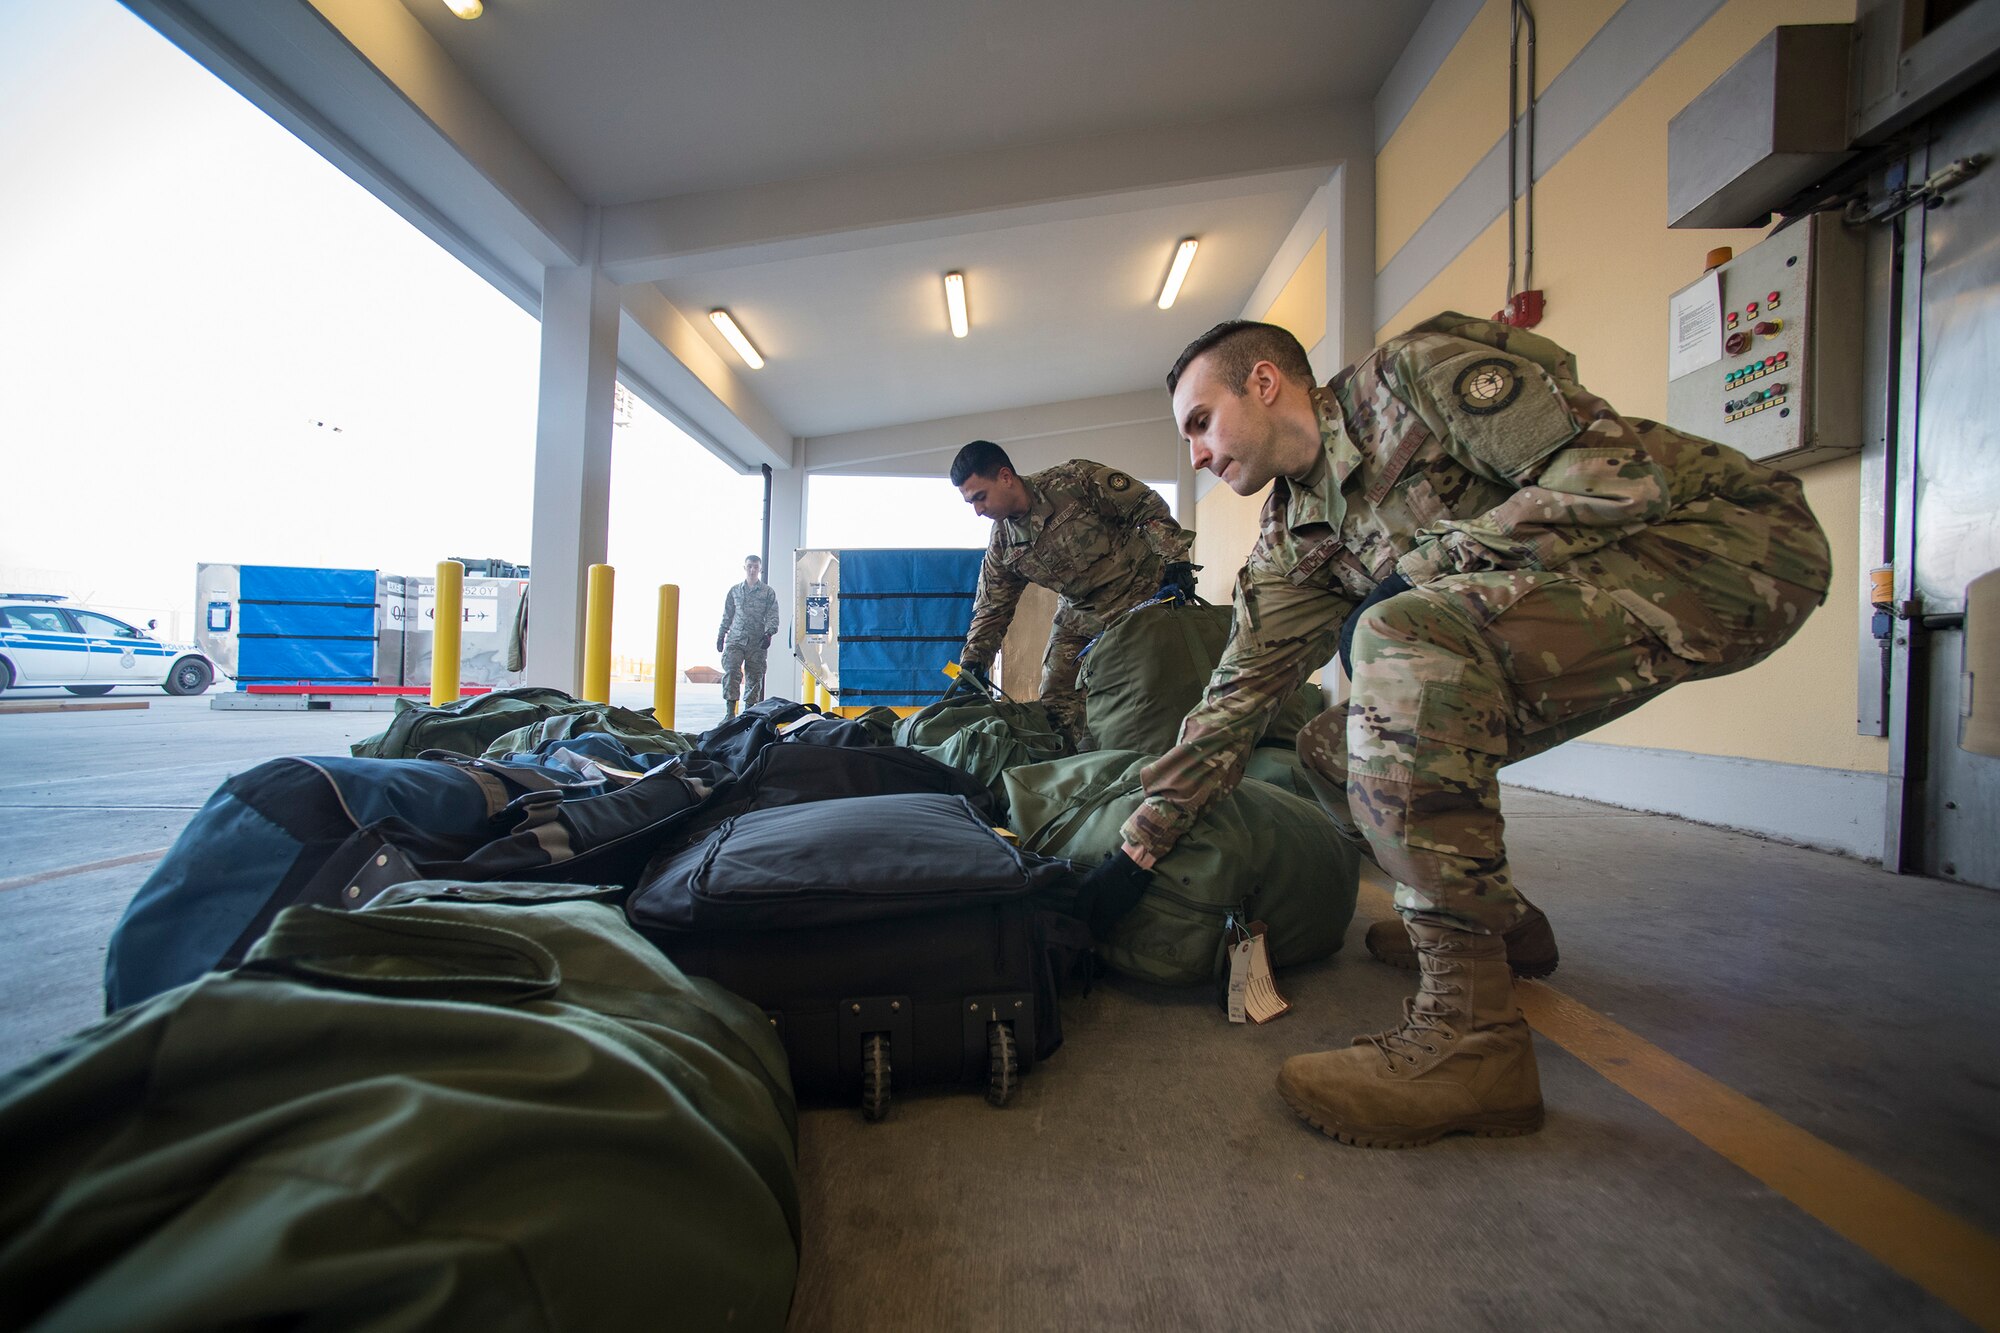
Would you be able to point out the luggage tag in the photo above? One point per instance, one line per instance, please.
(1252, 994)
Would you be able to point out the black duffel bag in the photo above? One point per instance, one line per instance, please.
(879, 932)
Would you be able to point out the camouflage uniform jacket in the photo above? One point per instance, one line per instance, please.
(1092, 534)
(1460, 447)
(749, 612)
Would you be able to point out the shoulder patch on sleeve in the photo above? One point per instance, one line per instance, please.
(1118, 481)
(1504, 409)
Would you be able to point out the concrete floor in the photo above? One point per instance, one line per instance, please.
(1149, 1177)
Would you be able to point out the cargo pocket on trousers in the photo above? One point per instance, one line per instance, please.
(1453, 777)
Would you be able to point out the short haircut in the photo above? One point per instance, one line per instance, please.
(753, 556)
(981, 458)
(1240, 344)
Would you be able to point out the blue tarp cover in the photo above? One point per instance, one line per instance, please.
(322, 622)
(320, 625)
(903, 615)
(291, 583)
(319, 661)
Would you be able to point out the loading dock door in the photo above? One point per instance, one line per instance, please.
(1952, 484)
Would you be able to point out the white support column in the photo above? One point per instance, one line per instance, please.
(572, 466)
(788, 534)
(1350, 262)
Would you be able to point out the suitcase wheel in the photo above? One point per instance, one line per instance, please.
(1003, 1068)
(874, 1075)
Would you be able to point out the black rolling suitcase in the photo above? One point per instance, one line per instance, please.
(894, 940)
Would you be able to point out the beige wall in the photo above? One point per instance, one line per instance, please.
(1226, 523)
(1608, 263)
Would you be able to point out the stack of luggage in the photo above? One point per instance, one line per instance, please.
(620, 952)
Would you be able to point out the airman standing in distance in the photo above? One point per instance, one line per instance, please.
(749, 619)
(1506, 562)
(1098, 539)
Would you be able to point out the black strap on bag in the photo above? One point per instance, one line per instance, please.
(540, 835)
(736, 742)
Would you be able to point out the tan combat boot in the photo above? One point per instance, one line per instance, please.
(1462, 1062)
(1531, 946)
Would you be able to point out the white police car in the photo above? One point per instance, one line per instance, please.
(46, 641)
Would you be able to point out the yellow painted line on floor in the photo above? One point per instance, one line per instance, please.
(43, 877)
(1940, 1251)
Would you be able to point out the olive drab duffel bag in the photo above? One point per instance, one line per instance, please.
(637, 732)
(1259, 854)
(1146, 671)
(937, 723)
(440, 1113)
(471, 724)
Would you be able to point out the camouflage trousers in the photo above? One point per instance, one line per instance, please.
(1072, 630)
(1456, 679)
(744, 662)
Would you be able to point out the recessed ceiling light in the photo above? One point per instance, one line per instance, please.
(1178, 273)
(465, 9)
(720, 318)
(954, 299)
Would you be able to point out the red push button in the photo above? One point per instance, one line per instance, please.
(1751, 309)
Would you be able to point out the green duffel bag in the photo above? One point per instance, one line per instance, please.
(1280, 766)
(1147, 671)
(503, 1111)
(939, 722)
(988, 747)
(880, 723)
(636, 731)
(1258, 854)
(466, 727)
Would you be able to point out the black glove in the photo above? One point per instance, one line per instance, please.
(1384, 590)
(962, 683)
(1177, 580)
(1109, 891)
(718, 643)
(767, 641)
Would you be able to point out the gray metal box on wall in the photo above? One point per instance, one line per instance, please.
(1772, 124)
(1781, 378)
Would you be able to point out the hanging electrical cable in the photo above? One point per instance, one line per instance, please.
(1524, 302)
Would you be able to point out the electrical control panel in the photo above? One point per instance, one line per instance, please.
(1786, 387)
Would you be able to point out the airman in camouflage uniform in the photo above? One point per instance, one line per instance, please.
(1100, 540)
(749, 619)
(1520, 564)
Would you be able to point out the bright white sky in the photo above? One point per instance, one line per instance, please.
(216, 347)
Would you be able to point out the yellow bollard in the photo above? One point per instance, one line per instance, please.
(666, 655)
(811, 690)
(597, 636)
(448, 621)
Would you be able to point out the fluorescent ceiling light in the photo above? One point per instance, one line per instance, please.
(722, 321)
(954, 298)
(465, 9)
(1178, 273)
